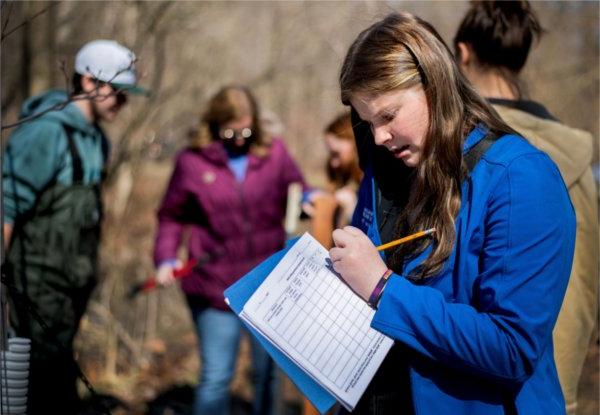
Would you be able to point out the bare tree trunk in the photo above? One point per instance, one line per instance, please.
(123, 151)
(25, 84)
(51, 44)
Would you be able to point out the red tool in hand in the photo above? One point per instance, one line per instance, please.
(151, 283)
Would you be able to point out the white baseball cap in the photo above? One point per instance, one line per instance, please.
(108, 61)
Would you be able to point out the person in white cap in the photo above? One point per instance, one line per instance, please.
(52, 171)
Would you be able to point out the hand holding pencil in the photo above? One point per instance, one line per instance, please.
(358, 261)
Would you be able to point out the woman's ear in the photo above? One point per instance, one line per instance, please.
(465, 54)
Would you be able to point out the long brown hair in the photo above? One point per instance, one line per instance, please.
(341, 127)
(399, 52)
(231, 103)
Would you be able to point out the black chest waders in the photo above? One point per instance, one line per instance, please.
(51, 267)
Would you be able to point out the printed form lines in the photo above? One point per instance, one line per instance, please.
(319, 329)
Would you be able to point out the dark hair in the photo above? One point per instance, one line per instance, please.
(76, 84)
(403, 51)
(77, 88)
(500, 33)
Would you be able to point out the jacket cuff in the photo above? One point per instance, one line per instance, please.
(390, 317)
(170, 262)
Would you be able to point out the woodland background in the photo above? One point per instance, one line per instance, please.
(289, 53)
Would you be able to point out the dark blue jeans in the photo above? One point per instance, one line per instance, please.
(219, 336)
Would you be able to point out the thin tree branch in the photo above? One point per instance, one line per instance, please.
(56, 107)
(94, 94)
(9, 96)
(25, 22)
(63, 69)
(7, 17)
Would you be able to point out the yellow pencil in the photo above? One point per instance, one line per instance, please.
(406, 239)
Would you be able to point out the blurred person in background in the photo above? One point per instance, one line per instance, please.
(52, 171)
(333, 208)
(492, 44)
(343, 171)
(229, 188)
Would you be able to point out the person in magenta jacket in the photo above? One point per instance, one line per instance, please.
(472, 309)
(229, 188)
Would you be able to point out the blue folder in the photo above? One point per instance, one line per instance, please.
(239, 293)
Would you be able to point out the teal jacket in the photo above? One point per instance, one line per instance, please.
(479, 334)
(37, 153)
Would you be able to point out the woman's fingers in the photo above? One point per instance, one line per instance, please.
(164, 274)
(353, 231)
(339, 238)
(355, 258)
(335, 254)
(348, 234)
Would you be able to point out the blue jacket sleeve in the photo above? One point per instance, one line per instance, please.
(31, 160)
(529, 231)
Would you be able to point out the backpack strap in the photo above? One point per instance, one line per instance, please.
(386, 207)
(75, 158)
(474, 154)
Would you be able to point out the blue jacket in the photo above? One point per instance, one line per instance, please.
(482, 328)
(38, 152)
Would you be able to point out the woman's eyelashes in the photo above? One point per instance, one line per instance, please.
(388, 116)
(384, 118)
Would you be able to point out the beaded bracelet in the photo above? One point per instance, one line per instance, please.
(378, 290)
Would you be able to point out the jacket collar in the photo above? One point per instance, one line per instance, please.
(474, 137)
(216, 154)
(530, 107)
